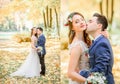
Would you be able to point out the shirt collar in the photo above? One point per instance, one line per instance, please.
(40, 35)
(97, 37)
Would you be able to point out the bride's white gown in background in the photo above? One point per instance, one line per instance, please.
(31, 66)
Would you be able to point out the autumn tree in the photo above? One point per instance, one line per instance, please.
(109, 6)
(36, 11)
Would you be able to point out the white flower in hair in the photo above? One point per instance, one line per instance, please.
(70, 19)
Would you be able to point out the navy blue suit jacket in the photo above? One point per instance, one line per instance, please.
(41, 42)
(101, 59)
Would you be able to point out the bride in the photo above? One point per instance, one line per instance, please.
(79, 43)
(31, 67)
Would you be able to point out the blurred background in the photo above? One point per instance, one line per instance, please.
(17, 17)
(109, 8)
(22, 15)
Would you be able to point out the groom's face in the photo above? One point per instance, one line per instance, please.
(39, 32)
(92, 25)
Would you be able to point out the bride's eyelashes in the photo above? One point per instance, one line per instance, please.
(79, 20)
(76, 21)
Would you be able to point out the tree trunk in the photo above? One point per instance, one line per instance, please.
(100, 4)
(112, 12)
(47, 16)
(44, 20)
(57, 22)
(107, 8)
(50, 17)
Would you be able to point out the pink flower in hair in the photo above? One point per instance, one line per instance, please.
(68, 20)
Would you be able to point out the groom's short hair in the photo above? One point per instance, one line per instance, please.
(102, 20)
(41, 29)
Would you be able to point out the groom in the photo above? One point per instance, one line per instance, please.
(41, 54)
(101, 55)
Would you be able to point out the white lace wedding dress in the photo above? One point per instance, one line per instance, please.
(83, 60)
(31, 66)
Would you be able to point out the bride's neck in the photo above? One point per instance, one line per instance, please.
(79, 36)
(33, 34)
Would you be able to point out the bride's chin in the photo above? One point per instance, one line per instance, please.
(84, 28)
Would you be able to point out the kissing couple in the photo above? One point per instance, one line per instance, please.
(34, 64)
(87, 57)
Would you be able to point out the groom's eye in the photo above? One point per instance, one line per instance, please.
(90, 21)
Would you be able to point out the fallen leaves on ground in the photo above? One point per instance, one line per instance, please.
(13, 54)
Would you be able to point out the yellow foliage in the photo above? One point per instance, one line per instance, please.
(21, 38)
(64, 44)
(32, 9)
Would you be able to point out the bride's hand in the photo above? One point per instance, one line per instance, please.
(105, 33)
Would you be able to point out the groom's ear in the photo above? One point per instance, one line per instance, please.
(100, 26)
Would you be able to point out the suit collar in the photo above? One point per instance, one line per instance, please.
(96, 40)
(40, 35)
(97, 37)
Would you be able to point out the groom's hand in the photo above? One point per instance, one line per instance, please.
(105, 33)
(84, 73)
(36, 49)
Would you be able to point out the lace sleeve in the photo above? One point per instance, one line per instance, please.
(79, 43)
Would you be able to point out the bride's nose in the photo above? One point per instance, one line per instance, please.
(81, 23)
(86, 24)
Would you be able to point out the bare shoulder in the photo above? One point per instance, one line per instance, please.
(75, 47)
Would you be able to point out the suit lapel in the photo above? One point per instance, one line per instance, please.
(95, 42)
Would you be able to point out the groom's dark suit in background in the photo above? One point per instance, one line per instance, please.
(41, 42)
(101, 59)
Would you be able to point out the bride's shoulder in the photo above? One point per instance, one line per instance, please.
(77, 43)
(33, 37)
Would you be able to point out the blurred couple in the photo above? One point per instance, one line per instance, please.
(87, 57)
(34, 65)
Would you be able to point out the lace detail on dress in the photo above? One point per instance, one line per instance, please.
(83, 62)
(35, 39)
(78, 43)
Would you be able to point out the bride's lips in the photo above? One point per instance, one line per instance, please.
(82, 26)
